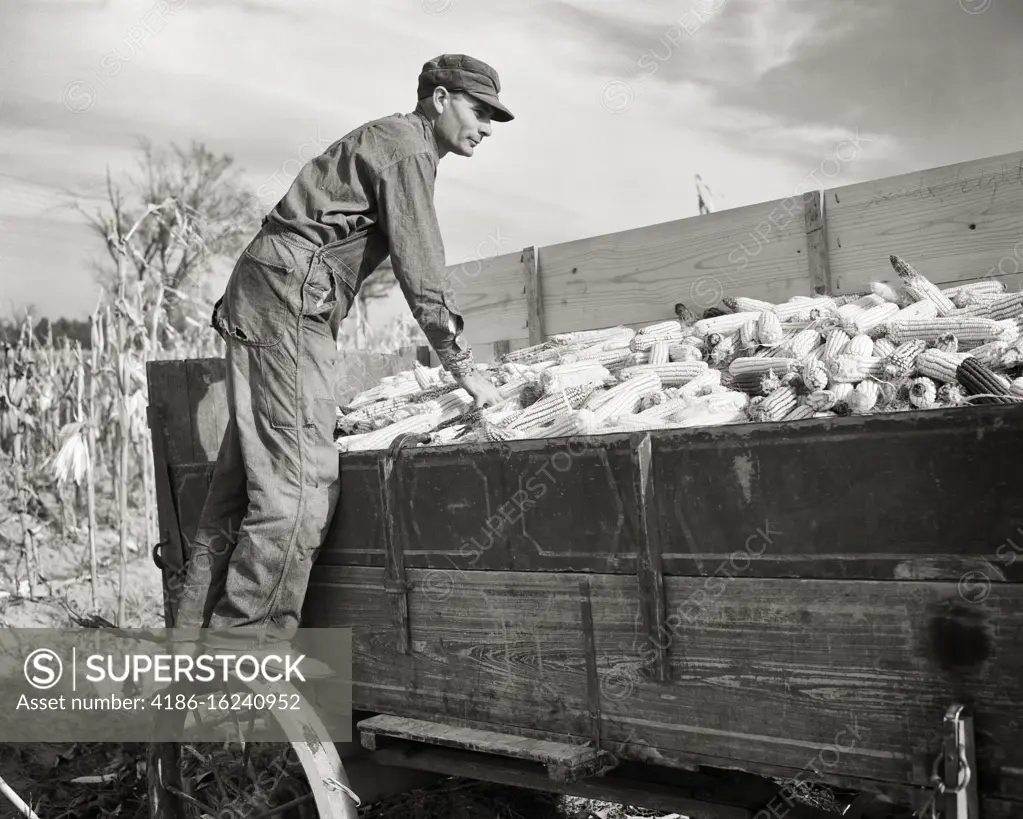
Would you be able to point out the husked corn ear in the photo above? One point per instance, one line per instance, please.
(726, 323)
(886, 292)
(951, 394)
(992, 354)
(923, 392)
(861, 345)
(975, 310)
(748, 339)
(802, 343)
(606, 358)
(661, 329)
(868, 301)
(695, 341)
(644, 342)
(551, 406)
(916, 310)
(821, 400)
(920, 287)
(664, 409)
(814, 375)
(834, 343)
(864, 397)
(873, 317)
(769, 329)
(841, 391)
(626, 397)
(883, 347)
(382, 438)
(799, 412)
(986, 287)
(672, 374)
(576, 374)
(947, 343)
(532, 354)
(684, 352)
(724, 350)
(971, 332)
(1016, 387)
(741, 304)
(851, 369)
(775, 406)
(703, 382)
(902, 361)
(977, 380)
(939, 365)
(804, 307)
(603, 336)
(1006, 307)
(659, 352)
(424, 378)
(760, 366)
(816, 354)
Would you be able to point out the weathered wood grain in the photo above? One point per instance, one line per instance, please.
(953, 223)
(168, 395)
(491, 296)
(817, 242)
(207, 406)
(850, 679)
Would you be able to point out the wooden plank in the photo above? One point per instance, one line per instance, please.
(168, 393)
(774, 677)
(564, 762)
(491, 298)
(953, 223)
(817, 242)
(395, 583)
(207, 404)
(534, 295)
(637, 275)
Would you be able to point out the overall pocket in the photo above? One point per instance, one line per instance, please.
(257, 299)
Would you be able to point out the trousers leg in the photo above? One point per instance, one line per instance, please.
(283, 365)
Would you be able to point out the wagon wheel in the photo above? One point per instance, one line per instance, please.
(316, 774)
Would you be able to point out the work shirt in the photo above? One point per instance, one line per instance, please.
(368, 195)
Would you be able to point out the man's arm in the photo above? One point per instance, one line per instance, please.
(408, 218)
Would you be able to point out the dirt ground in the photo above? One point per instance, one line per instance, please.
(104, 781)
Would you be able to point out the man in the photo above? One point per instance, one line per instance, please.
(275, 485)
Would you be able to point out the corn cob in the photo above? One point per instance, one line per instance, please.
(947, 343)
(587, 337)
(664, 409)
(726, 323)
(381, 438)
(916, 310)
(971, 332)
(659, 352)
(643, 342)
(704, 381)
(978, 380)
(950, 394)
(694, 341)
(986, 287)
(814, 375)
(673, 374)
(834, 343)
(902, 361)
(1016, 387)
(850, 369)
(873, 317)
(886, 292)
(775, 406)
(799, 413)
(971, 310)
(923, 392)
(841, 391)
(577, 374)
(760, 366)
(625, 397)
(684, 352)
(861, 345)
(816, 354)
(551, 406)
(725, 350)
(748, 339)
(992, 354)
(883, 347)
(821, 400)
(1007, 307)
(864, 397)
(920, 287)
(801, 307)
(605, 358)
(939, 365)
(532, 354)
(717, 408)
(769, 329)
(802, 343)
(741, 304)
(661, 329)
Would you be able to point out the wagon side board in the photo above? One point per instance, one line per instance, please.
(790, 600)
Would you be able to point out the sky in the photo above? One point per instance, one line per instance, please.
(618, 105)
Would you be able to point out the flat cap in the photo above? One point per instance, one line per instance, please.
(460, 72)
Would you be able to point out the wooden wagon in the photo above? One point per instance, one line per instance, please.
(690, 620)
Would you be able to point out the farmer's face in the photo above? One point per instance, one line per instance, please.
(462, 122)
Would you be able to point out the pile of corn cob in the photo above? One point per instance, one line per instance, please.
(910, 347)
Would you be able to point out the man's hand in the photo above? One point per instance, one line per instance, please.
(480, 388)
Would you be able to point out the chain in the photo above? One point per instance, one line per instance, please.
(930, 810)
